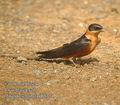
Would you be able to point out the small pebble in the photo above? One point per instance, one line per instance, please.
(100, 16)
(27, 17)
(64, 26)
(3, 37)
(106, 104)
(17, 51)
(81, 24)
(115, 30)
(93, 79)
(85, 64)
(55, 71)
(21, 59)
(38, 73)
(85, 2)
(56, 31)
(50, 82)
(115, 10)
(67, 77)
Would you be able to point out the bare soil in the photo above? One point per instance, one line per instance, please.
(27, 26)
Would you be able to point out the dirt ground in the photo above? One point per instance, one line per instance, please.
(27, 26)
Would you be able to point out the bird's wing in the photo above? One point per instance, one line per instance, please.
(77, 45)
(67, 49)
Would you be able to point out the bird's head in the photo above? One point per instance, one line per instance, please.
(95, 28)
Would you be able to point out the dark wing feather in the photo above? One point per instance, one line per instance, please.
(67, 49)
(77, 46)
(54, 53)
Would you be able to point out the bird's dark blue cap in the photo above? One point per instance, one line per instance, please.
(95, 27)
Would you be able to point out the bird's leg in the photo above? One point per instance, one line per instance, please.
(72, 60)
(78, 60)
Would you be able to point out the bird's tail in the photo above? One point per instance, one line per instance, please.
(48, 54)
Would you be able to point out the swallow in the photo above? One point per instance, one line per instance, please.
(78, 48)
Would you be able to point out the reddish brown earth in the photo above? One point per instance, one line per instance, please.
(27, 26)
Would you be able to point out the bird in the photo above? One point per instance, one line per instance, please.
(78, 48)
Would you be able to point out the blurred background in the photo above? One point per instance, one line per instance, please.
(27, 26)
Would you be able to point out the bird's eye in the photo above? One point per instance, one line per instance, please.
(97, 28)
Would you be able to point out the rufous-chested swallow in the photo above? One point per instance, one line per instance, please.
(78, 48)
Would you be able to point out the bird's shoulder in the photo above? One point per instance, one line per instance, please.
(82, 41)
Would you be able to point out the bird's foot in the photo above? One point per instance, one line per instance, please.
(73, 61)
